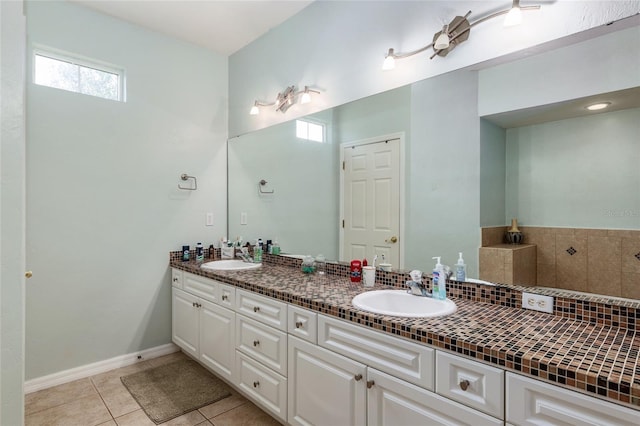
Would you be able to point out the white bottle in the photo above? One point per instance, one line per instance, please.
(435, 278)
(461, 269)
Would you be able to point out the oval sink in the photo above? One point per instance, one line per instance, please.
(399, 303)
(229, 265)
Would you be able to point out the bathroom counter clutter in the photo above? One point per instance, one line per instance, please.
(598, 359)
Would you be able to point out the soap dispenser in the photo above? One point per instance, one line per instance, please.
(439, 280)
(461, 269)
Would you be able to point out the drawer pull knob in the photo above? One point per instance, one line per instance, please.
(175, 279)
(256, 308)
(299, 324)
(464, 384)
(225, 297)
(256, 342)
(370, 384)
(256, 384)
(358, 377)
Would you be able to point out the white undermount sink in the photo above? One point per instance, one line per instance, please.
(230, 265)
(399, 303)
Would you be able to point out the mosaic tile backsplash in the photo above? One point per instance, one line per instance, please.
(589, 345)
(601, 261)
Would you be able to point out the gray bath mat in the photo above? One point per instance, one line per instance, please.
(174, 389)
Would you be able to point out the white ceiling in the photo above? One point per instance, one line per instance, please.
(223, 26)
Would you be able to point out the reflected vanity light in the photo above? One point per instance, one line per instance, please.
(285, 99)
(598, 106)
(456, 32)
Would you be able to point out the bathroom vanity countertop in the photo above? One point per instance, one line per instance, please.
(597, 359)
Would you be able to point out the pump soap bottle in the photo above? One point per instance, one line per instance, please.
(461, 269)
(439, 280)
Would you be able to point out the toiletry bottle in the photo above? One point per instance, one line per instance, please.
(257, 252)
(275, 247)
(185, 253)
(461, 269)
(435, 278)
(442, 284)
(199, 253)
(364, 262)
(356, 271)
(212, 252)
(269, 247)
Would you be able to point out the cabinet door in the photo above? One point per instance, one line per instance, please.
(324, 388)
(394, 402)
(184, 321)
(176, 277)
(532, 402)
(217, 339)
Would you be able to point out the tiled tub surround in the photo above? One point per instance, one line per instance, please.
(602, 261)
(588, 356)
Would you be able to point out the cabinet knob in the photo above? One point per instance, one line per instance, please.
(225, 297)
(193, 304)
(358, 377)
(256, 384)
(256, 308)
(299, 324)
(464, 384)
(370, 384)
(175, 279)
(256, 342)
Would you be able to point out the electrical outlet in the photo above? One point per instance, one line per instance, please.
(537, 302)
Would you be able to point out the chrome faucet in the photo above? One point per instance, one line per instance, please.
(243, 254)
(416, 287)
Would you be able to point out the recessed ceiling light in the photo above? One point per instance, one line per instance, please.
(598, 106)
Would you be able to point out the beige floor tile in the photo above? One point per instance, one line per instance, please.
(109, 423)
(222, 406)
(244, 415)
(176, 356)
(139, 418)
(136, 418)
(85, 411)
(112, 377)
(57, 395)
(205, 423)
(118, 399)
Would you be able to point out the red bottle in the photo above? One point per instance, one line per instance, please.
(356, 271)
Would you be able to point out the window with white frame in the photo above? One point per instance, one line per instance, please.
(310, 131)
(80, 75)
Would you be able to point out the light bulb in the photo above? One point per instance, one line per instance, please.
(514, 16)
(442, 42)
(596, 107)
(254, 110)
(389, 61)
(306, 98)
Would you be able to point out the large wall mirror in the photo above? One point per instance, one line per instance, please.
(284, 181)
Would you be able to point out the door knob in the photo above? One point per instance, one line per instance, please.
(392, 240)
(28, 274)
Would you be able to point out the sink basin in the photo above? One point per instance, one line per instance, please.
(399, 303)
(229, 265)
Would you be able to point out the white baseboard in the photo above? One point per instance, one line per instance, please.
(97, 368)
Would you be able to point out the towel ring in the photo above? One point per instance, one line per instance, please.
(261, 184)
(185, 177)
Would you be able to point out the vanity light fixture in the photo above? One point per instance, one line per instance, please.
(598, 106)
(457, 31)
(285, 99)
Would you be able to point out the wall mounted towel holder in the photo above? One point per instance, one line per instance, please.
(185, 177)
(261, 184)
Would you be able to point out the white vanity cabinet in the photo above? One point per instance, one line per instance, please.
(261, 351)
(203, 329)
(325, 388)
(532, 402)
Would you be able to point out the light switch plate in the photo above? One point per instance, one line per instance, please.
(537, 302)
(243, 218)
(209, 220)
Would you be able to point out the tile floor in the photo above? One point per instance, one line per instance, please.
(103, 400)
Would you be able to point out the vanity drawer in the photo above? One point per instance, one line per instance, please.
(227, 296)
(405, 360)
(303, 324)
(265, 387)
(471, 383)
(532, 402)
(200, 286)
(269, 311)
(176, 278)
(263, 343)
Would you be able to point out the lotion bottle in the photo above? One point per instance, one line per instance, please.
(461, 269)
(435, 277)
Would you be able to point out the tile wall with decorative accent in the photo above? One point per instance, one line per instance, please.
(602, 261)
